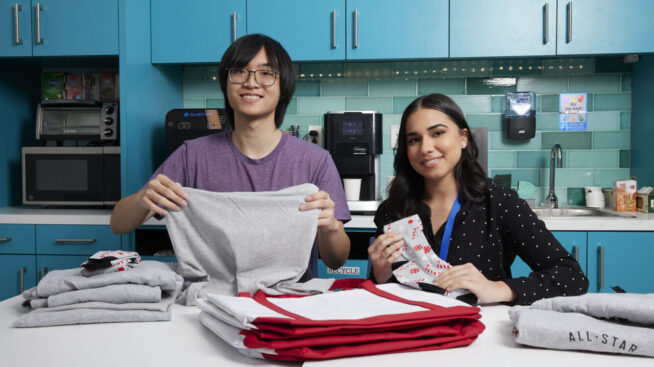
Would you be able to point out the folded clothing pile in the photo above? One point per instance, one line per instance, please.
(360, 319)
(144, 293)
(601, 322)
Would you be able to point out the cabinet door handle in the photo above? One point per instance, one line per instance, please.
(17, 8)
(546, 23)
(5, 239)
(43, 271)
(569, 36)
(234, 26)
(22, 278)
(75, 240)
(601, 265)
(575, 252)
(334, 28)
(356, 28)
(39, 7)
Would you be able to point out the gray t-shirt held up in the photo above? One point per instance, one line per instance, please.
(214, 163)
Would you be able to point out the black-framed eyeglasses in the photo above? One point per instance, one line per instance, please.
(264, 78)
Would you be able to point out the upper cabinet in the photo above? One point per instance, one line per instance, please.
(15, 28)
(308, 31)
(196, 31)
(588, 27)
(481, 28)
(397, 29)
(201, 30)
(59, 28)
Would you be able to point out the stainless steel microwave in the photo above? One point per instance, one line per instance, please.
(80, 176)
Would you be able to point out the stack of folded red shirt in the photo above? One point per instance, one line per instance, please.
(362, 318)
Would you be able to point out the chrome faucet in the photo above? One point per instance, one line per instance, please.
(555, 155)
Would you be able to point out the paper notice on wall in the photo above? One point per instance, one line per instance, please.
(573, 111)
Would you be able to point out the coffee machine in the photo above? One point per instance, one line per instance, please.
(354, 139)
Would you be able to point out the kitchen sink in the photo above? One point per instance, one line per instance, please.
(578, 212)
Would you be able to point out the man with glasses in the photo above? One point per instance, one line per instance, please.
(257, 79)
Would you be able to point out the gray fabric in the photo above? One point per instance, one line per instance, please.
(150, 273)
(243, 241)
(576, 331)
(161, 305)
(115, 293)
(101, 312)
(637, 308)
(90, 316)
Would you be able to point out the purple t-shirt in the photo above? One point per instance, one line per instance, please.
(214, 163)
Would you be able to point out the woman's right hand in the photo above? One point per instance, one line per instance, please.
(162, 194)
(382, 253)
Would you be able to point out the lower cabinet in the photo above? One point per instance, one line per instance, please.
(622, 259)
(609, 259)
(30, 251)
(17, 273)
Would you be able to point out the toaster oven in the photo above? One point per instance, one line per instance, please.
(77, 120)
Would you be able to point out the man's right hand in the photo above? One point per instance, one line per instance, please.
(161, 195)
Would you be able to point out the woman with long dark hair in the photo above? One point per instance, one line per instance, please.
(437, 176)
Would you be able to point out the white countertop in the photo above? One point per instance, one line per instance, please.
(185, 342)
(28, 215)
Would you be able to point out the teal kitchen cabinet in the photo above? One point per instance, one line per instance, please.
(17, 239)
(313, 31)
(195, 31)
(75, 240)
(17, 266)
(573, 242)
(588, 27)
(621, 259)
(15, 28)
(45, 263)
(395, 29)
(59, 28)
(481, 28)
(17, 273)
(28, 251)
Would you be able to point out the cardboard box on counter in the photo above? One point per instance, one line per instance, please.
(645, 203)
(624, 196)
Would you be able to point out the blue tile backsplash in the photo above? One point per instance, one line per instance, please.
(594, 157)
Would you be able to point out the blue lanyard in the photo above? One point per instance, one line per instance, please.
(445, 242)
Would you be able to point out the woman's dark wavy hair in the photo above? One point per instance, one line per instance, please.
(241, 52)
(408, 187)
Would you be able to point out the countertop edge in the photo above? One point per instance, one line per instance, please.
(26, 215)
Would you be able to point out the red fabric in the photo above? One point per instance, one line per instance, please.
(373, 324)
(300, 338)
(469, 332)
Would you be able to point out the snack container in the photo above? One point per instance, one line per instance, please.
(53, 85)
(645, 203)
(107, 87)
(624, 196)
(73, 86)
(90, 88)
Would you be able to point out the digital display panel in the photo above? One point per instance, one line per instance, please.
(352, 128)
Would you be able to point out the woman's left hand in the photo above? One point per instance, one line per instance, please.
(467, 276)
(326, 220)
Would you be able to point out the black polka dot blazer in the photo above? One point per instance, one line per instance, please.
(492, 233)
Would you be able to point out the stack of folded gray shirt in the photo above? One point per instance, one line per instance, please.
(144, 293)
(601, 322)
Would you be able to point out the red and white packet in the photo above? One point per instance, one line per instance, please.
(423, 266)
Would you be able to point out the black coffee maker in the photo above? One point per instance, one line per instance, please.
(354, 139)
